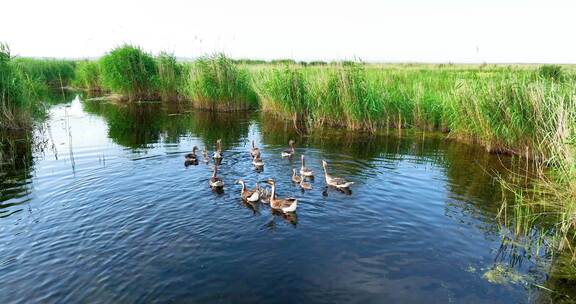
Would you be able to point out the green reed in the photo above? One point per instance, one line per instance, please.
(18, 91)
(131, 72)
(171, 76)
(52, 72)
(216, 83)
(88, 76)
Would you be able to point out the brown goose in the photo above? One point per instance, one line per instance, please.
(249, 195)
(336, 182)
(218, 152)
(305, 172)
(286, 204)
(255, 152)
(295, 177)
(216, 182)
(290, 151)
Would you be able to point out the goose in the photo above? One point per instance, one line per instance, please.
(305, 172)
(216, 182)
(264, 195)
(255, 152)
(286, 204)
(295, 177)
(257, 162)
(290, 151)
(218, 152)
(249, 195)
(205, 154)
(191, 158)
(305, 185)
(336, 182)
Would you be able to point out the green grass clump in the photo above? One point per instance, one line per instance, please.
(550, 71)
(171, 77)
(347, 98)
(515, 115)
(54, 73)
(284, 91)
(129, 71)
(88, 76)
(17, 93)
(216, 83)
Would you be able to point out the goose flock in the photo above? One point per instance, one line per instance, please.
(286, 205)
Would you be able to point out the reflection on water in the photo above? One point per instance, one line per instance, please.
(15, 171)
(113, 215)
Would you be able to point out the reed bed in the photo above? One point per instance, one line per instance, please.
(216, 83)
(171, 77)
(53, 73)
(88, 76)
(130, 71)
(17, 92)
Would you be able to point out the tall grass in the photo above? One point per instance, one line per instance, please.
(171, 77)
(17, 92)
(88, 76)
(284, 91)
(131, 72)
(216, 83)
(52, 72)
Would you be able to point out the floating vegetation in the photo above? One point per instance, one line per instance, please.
(503, 275)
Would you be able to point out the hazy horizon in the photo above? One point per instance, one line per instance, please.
(413, 31)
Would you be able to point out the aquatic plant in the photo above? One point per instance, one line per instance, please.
(216, 83)
(53, 73)
(130, 72)
(17, 93)
(171, 79)
(88, 76)
(284, 91)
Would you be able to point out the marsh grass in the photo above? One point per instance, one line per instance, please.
(171, 77)
(88, 76)
(131, 72)
(216, 83)
(52, 72)
(284, 91)
(17, 92)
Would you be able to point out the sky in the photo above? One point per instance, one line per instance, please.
(504, 31)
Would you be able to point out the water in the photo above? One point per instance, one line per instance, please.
(103, 210)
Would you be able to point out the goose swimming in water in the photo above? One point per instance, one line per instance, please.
(290, 151)
(249, 195)
(305, 172)
(191, 158)
(216, 182)
(336, 182)
(254, 152)
(295, 177)
(288, 204)
(218, 152)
